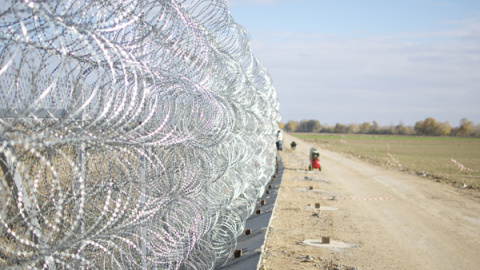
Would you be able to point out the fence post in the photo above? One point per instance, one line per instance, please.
(143, 189)
(78, 192)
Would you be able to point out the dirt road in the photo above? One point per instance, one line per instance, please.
(375, 218)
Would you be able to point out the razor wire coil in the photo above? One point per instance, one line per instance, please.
(133, 134)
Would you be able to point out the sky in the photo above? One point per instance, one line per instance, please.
(355, 61)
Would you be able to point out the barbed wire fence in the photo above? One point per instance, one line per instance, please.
(134, 134)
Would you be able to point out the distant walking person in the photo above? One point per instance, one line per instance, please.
(279, 140)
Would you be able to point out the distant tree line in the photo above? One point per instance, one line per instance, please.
(429, 127)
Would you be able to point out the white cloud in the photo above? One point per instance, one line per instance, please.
(403, 77)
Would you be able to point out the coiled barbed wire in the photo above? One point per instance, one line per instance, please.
(133, 134)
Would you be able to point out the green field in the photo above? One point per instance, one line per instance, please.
(422, 155)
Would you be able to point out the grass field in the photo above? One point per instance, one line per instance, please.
(422, 155)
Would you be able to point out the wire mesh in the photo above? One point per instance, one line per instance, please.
(134, 134)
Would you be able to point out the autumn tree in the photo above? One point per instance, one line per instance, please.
(374, 128)
(465, 128)
(444, 129)
(291, 126)
(365, 127)
(327, 129)
(430, 126)
(419, 128)
(353, 128)
(400, 129)
(339, 128)
(313, 126)
(302, 126)
(280, 125)
(309, 126)
(476, 130)
(426, 127)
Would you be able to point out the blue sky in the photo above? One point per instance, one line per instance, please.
(352, 61)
